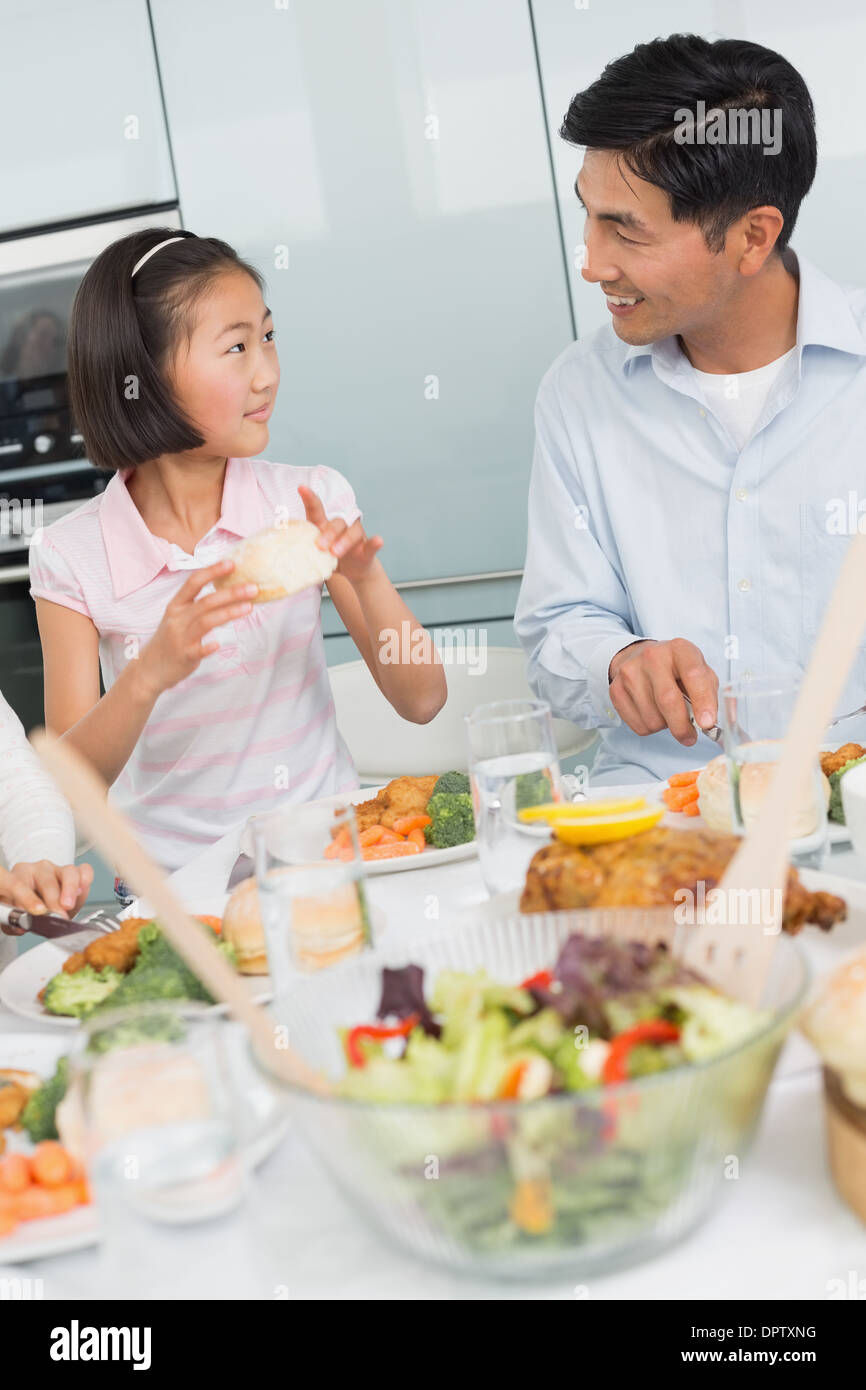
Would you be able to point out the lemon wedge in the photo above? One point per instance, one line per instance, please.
(597, 829)
(577, 810)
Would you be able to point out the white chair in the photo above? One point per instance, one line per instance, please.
(383, 745)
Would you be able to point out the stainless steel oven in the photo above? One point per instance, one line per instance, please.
(43, 470)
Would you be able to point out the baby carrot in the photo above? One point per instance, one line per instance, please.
(417, 837)
(390, 851)
(50, 1164)
(341, 841)
(371, 835)
(692, 809)
(405, 824)
(390, 837)
(14, 1173)
(682, 779)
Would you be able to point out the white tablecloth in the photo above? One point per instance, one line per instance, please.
(782, 1233)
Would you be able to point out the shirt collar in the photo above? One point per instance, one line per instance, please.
(136, 556)
(824, 318)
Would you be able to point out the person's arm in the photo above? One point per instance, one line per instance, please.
(374, 614)
(37, 832)
(573, 615)
(105, 730)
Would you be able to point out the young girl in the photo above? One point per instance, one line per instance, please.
(213, 709)
(37, 836)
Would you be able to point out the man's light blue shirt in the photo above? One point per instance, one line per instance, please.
(645, 520)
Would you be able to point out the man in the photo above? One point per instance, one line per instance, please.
(695, 478)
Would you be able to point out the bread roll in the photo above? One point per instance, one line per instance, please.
(282, 561)
(324, 929)
(714, 797)
(835, 1024)
(242, 928)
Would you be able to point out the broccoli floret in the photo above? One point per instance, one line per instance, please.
(156, 1027)
(835, 810)
(146, 983)
(78, 994)
(160, 973)
(37, 1117)
(532, 789)
(451, 782)
(452, 820)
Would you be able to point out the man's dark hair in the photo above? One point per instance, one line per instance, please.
(631, 108)
(124, 329)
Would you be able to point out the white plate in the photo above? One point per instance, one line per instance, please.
(836, 834)
(26, 975)
(427, 859)
(75, 1230)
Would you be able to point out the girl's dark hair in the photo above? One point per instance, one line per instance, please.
(123, 330)
(631, 108)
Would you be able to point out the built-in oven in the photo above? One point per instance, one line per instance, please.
(43, 470)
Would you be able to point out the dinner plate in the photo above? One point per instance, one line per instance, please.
(428, 858)
(836, 834)
(26, 975)
(75, 1230)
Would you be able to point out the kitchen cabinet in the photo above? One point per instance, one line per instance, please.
(385, 165)
(84, 128)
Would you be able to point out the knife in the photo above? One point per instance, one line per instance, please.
(69, 936)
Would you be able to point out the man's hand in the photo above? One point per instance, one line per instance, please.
(45, 887)
(647, 681)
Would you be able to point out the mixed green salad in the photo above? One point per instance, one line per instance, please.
(519, 1183)
(608, 1011)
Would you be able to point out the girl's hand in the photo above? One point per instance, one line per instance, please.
(45, 887)
(355, 550)
(178, 646)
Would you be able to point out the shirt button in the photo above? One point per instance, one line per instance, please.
(610, 713)
(744, 586)
(741, 494)
(702, 413)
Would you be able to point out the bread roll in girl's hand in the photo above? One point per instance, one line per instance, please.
(282, 560)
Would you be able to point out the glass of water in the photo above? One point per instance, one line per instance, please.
(513, 764)
(154, 1109)
(755, 716)
(312, 889)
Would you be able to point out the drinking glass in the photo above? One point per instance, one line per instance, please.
(154, 1107)
(312, 890)
(755, 715)
(513, 764)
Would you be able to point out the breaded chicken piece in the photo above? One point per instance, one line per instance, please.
(404, 796)
(831, 762)
(118, 949)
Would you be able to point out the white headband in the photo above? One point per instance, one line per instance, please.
(152, 252)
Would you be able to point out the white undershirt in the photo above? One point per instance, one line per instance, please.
(738, 400)
(35, 819)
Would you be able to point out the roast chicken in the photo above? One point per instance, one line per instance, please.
(646, 870)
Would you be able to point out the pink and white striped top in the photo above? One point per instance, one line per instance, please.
(254, 725)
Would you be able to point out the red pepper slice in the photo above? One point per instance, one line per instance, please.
(543, 980)
(378, 1032)
(650, 1030)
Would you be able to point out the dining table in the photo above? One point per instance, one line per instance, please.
(780, 1230)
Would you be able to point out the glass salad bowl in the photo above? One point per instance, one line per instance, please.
(575, 1182)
